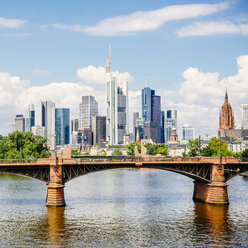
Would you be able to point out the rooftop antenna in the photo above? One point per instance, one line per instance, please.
(146, 80)
(108, 61)
(110, 57)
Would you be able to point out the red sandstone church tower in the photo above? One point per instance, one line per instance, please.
(226, 116)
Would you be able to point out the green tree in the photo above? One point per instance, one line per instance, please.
(23, 145)
(117, 152)
(193, 147)
(163, 150)
(244, 155)
(153, 149)
(75, 152)
(131, 147)
(212, 149)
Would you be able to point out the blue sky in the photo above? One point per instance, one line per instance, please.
(46, 43)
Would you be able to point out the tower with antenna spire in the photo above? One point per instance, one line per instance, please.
(226, 118)
(117, 106)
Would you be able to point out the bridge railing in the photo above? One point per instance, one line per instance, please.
(18, 161)
(119, 159)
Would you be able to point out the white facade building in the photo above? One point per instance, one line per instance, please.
(117, 107)
(244, 116)
(19, 123)
(38, 130)
(45, 117)
(87, 108)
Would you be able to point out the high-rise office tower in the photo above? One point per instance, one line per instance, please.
(188, 132)
(162, 126)
(45, 117)
(50, 121)
(74, 125)
(135, 116)
(62, 126)
(30, 118)
(244, 116)
(117, 107)
(139, 129)
(147, 95)
(73, 132)
(98, 129)
(172, 114)
(19, 123)
(87, 108)
(170, 123)
(151, 112)
(40, 113)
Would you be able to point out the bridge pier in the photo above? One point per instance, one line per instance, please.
(214, 192)
(55, 188)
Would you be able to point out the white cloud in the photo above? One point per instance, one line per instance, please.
(145, 20)
(17, 35)
(212, 28)
(96, 76)
(11, 23)
(198, 97)
(10, 88)
(41, 73)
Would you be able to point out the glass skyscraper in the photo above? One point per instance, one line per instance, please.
(147, 94)
(62, 126)
(188, 132)
(170, 123)
(151, 112)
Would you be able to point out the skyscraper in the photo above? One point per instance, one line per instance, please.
(147, 94)
(151, 112)
(30, 118)
(135, 116)
(162, 127)
(188, 132)
(244, 116)
(50, 121)
(117, 107)
(98, 129)
(87, 108)
(62, 126)
(19, 123)
(45, 117)
(170, 123)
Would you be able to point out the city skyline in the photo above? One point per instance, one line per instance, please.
(189, 69)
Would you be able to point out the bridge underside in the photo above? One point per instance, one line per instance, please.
(37, 172)
(235, 169)
(200, 172)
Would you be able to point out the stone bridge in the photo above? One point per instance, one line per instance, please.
(209, 174)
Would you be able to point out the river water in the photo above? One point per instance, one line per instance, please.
(121, 208)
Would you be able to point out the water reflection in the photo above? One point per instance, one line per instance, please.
(214, 221)
(55, 221)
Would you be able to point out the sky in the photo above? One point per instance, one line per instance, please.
(192, 51)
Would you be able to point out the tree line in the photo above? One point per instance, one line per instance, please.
(22, 145)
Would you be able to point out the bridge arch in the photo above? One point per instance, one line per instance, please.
(193, 171)
(29, 171)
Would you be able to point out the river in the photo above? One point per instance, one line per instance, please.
(121, 208)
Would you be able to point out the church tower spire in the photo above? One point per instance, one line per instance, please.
(226, 96)
(226, 118)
